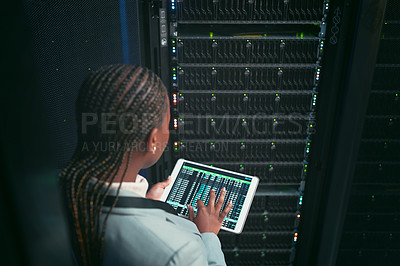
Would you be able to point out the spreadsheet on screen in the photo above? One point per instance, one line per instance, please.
(195, 182)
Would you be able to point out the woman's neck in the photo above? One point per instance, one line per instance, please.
(132, 168)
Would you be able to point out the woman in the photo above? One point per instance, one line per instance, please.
(123, 121)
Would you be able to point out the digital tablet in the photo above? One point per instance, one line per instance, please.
(192, 181)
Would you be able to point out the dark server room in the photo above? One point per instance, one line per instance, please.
(303, 94)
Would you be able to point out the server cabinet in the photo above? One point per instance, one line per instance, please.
(245, 79)
(371, 231)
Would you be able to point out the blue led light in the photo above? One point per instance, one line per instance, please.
(173, 7)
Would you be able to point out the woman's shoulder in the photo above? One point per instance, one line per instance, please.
(145, 231)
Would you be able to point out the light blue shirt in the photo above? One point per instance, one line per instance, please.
(153, 237)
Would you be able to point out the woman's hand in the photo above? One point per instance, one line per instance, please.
(209, 218)
(157, 189)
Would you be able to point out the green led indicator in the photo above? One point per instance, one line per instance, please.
(241, 143)
(89, 68)
(173, 41)
(243, 119)
(305, 165)
(212, 94)
(211, 34)
(212, 119)
(262, 252)
(65, 120)
(305, 170)
(180, 119)
(174, 69)
(241, 165)
(390, 119)
(390, 234)
(245, 94)
(311, 125)
(211, 165)
(212, 143)
(302, 35)
(373, 196)
(272, 143)
(86, 41)
(270, 165)
(277, 94)
(397, 94)
(368, 216)
(176, 148)
(181, 143)
(52, 41)
(56, 69)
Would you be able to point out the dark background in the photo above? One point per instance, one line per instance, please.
(49, 48)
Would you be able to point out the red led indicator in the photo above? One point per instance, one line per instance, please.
(174, 98)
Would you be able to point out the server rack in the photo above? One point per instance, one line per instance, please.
(244, 80)
(371, 231)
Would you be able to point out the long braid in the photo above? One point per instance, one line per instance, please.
(115, 89)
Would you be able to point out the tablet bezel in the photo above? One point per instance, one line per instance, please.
(246, 205)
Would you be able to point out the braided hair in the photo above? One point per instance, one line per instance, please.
(137, 100)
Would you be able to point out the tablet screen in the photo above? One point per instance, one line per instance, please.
(195, 182)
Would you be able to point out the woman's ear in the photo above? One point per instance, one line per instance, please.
(152, 140)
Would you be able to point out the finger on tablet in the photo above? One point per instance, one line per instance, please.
(221, 198)
(225, 211)
(211, 201)
(200, 204)
(191, 212)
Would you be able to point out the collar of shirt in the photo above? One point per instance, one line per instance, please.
(138, 187)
